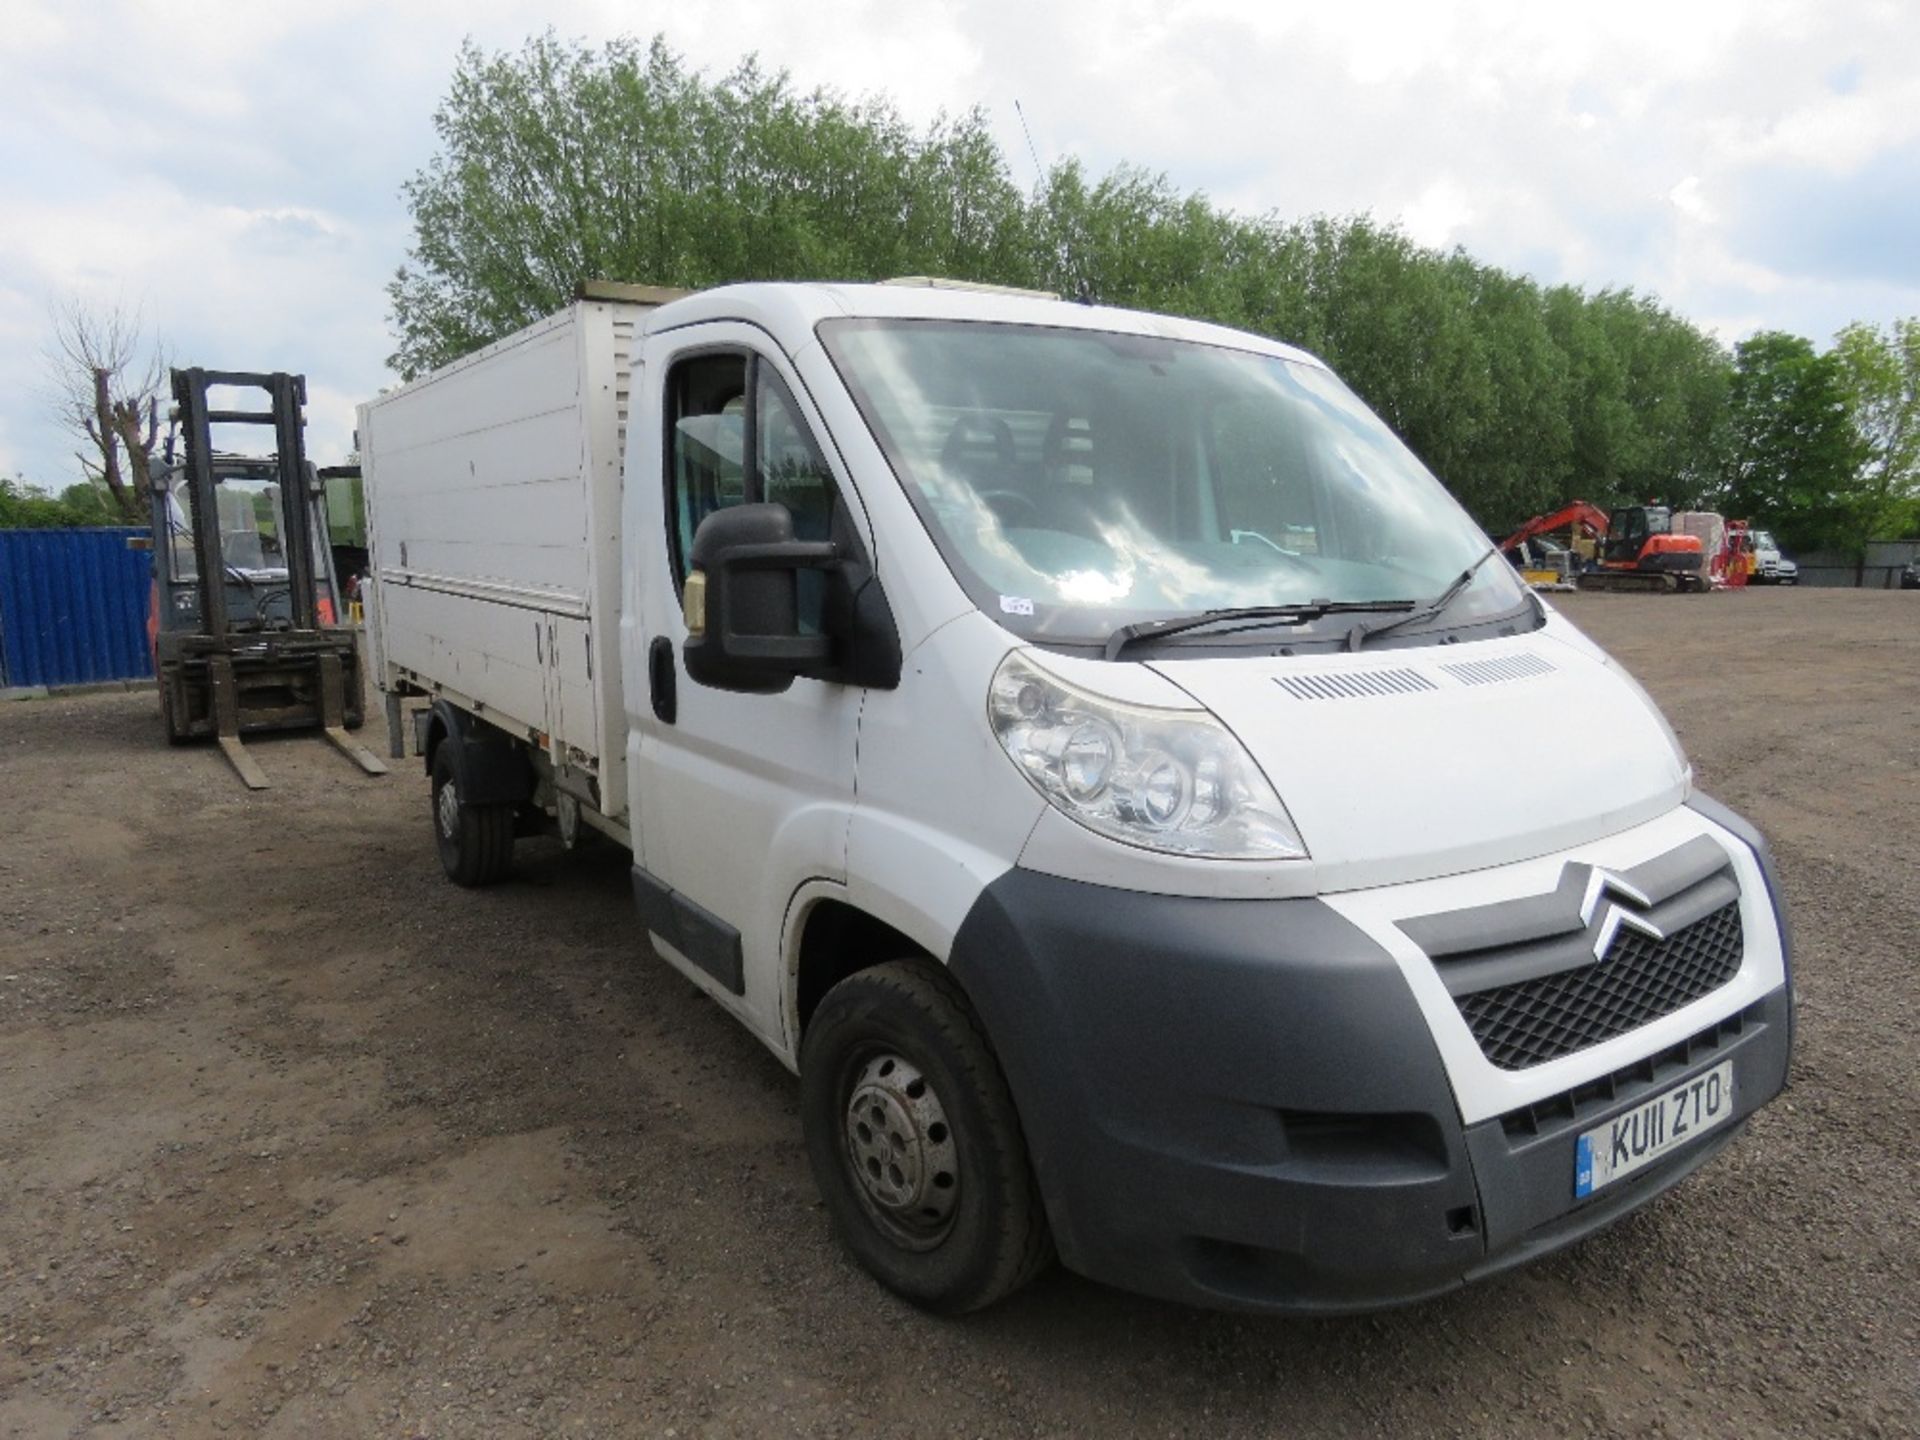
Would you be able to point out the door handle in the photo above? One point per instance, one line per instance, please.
(661, 679)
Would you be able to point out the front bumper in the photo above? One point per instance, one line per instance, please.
(1242, 1104)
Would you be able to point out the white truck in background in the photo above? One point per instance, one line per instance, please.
(1080, 744)
(1770, 566)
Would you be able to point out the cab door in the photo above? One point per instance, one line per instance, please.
(739, 799)
(1626, 535)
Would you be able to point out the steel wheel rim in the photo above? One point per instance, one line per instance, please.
(446, 810)
(900, 1150)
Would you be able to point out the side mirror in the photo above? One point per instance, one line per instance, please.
(742, 601)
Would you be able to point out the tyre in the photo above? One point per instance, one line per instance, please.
(915, 1143)
(475, 841)
(174, 736)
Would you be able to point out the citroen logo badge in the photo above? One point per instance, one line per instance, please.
(1601, 886)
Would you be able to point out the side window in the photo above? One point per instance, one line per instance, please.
(706, 444)
(737, 436)
(791, 470)
(178, 506)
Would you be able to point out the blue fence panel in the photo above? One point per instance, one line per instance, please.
(73, 607)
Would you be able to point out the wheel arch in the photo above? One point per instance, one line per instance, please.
(492, 767)
(439, 726)
(833, 938)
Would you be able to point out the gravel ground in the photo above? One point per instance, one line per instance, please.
(297, 1139)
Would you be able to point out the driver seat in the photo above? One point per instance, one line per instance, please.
(979, 453)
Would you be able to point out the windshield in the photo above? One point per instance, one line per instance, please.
(250, 525)
(1078, 480)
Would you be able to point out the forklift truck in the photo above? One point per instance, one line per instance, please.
(245, 604)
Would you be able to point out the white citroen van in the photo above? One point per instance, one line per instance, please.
(1092, 751)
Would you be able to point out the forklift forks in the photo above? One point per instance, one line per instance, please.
(226, 717)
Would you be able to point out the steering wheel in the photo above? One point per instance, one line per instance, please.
(265, 597)
(1001, 502)
(1299, 562)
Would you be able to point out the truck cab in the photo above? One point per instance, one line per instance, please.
(1076, 741)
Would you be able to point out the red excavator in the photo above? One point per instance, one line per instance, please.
(1634, 548)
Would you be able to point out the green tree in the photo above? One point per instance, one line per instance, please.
(1880, 375)
(563, 164)
(1647, 399)
(560, 163)
(1795, 457)
(1130, 239)
(1516, 463)
(89, 507)
(25, 506)
(1674, 381)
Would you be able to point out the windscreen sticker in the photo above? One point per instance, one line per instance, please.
(1016, 605)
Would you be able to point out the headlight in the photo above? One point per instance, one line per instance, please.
(1162, 779)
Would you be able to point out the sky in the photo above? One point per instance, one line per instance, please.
(232, 172)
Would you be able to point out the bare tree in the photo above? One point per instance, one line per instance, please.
(107, 390)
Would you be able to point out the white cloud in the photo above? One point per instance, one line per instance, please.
(1689, 199)
(248, 197)
(1831, 130)
(1438, 213)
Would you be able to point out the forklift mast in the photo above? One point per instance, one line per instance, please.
(287, 397)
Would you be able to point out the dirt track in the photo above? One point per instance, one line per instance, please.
(298, 1139)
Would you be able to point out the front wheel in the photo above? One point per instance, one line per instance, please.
(915, 1143)
(475, 841)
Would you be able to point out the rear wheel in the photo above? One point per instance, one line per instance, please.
(173, 733)
(475, 841)
(915, 1143)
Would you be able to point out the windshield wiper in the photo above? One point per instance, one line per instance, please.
(1360, 634)
(1299, 614)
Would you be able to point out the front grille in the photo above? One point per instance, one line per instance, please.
(1641, 979)
(1572, 1109)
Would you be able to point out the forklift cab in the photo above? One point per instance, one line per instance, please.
(255, 576)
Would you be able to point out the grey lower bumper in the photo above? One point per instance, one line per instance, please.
(1238, 1103)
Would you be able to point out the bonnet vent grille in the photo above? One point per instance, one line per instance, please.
(1355, 685)
(1492, 672)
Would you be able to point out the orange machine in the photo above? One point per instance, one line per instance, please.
(1734, 565)
(1635, 548)
(1728, 545)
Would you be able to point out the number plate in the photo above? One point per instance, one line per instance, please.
(1659, 1126)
